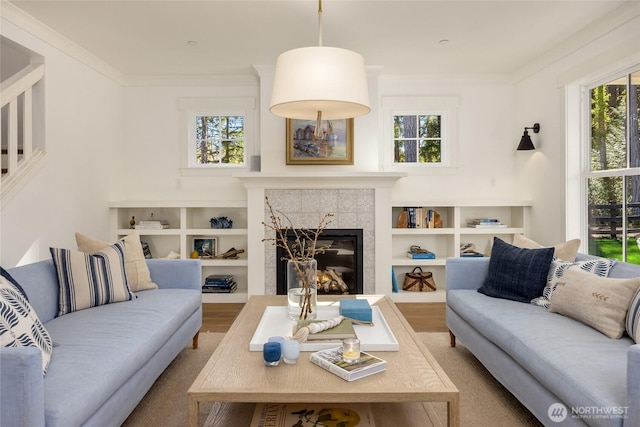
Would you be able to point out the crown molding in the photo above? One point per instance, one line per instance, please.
(36, 28)
(615, 19)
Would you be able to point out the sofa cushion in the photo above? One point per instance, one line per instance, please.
(109, 344)
(90, 280)
(138, 274)
(20, 325)
(599, 267)
(515, 273)
(566, 251)
(599, 302)
(555, 349)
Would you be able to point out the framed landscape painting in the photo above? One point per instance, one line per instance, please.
(335, 147)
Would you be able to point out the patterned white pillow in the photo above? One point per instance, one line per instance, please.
(599, 267)
(91, 280)
(20, 325)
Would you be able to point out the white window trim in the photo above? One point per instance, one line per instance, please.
(444, 106)
(578, 134)
(215, 106)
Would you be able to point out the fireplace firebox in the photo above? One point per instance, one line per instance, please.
(340, 267)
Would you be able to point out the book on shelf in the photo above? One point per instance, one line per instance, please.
(218, 279)
(486, 223)
(151, 225)
(342, 331)
(312, 414)
(421, 255)
(214, 289)
(331, 360)
(471, 254)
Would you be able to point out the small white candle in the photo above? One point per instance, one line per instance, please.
(351, 350)
(290, 351)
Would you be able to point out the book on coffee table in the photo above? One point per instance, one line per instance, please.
(312, 414)
(343, 331)
(331, 360)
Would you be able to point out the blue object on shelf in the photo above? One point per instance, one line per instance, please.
(358, 309)
(221, 222)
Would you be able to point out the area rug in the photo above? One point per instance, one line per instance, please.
(483, 401)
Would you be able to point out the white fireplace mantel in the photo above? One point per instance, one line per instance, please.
(258, 183)
(320, 180)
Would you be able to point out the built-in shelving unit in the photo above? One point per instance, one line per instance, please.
(445, 242)
(187, 221)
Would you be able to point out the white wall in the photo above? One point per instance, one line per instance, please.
(541, 98)
(105, 143)
(85, 144)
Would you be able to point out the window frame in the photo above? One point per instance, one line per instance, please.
(444, 106)
(190, 108)
(586, 172)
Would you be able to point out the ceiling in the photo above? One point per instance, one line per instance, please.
(217, 37)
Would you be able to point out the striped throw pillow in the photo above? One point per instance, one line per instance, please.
(91, 280)
(20, 325)
(633, 318)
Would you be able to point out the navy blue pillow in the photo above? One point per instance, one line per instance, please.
(7, 276)
(515, 273)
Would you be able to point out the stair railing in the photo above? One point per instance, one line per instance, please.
(17, 120)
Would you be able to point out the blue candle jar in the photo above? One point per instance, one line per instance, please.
(271, 352)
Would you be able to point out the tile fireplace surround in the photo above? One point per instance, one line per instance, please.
(352, 208)
(360, 200)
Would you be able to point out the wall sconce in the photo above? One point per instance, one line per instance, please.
(525, 141)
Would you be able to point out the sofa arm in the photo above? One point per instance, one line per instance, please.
(466, 273)
(633, 386)
(176, 273)
(21, 387)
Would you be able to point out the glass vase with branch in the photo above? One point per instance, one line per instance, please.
(300, 250)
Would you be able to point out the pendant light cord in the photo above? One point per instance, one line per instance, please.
(319, 22)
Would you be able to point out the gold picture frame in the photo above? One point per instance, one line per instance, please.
(336, 148)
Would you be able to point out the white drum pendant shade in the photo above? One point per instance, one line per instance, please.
(326, 79)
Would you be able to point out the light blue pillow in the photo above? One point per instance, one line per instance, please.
(515, 273)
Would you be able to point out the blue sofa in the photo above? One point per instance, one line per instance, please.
(549, 362)
(104, 358)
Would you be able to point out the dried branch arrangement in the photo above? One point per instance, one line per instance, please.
(302, 248)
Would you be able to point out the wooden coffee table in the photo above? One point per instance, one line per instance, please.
(235, 374)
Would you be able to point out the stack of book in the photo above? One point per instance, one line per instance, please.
(219, 284)
(152, 225)
(486, 223)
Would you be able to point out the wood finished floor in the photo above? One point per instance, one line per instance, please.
(423, 317)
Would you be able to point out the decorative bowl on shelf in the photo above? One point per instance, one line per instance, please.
(221, 222)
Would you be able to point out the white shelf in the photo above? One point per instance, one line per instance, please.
(445, 242)
(187, 221)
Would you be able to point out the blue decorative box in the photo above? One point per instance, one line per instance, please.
(358, 309)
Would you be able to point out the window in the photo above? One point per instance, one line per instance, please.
(613, 176)
(417, 138)
(219, 140)
(419, 133)
(218, 133)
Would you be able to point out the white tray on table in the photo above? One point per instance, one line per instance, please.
(275, 322)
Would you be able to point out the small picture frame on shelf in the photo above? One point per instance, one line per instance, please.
(205, 246)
